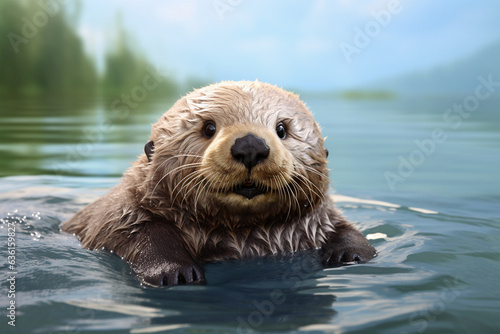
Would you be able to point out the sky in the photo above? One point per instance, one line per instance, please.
(307, 45)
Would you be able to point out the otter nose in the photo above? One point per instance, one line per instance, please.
(250, 150)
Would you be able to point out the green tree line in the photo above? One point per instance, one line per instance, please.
(41, 54)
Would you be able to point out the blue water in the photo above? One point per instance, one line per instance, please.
(437, 229)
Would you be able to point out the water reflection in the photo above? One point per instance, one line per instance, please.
(69, 137)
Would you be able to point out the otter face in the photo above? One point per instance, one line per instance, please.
(247, 166)
(256, 149)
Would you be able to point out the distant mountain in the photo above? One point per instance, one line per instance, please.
(459, 77)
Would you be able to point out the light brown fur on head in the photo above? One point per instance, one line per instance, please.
(294, 172)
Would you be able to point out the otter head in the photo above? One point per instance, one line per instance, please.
(237, 147)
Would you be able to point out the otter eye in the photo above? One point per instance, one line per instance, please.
(280, 130)
(209, 129)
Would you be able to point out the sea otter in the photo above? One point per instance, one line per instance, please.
(232, 170)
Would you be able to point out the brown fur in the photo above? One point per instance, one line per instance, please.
(178, 210)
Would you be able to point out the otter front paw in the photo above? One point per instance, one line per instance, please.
(347, 246)
(170, 273)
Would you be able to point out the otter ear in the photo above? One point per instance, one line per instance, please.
(148, 149)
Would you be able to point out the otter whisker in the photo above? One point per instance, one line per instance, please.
(190, 186)
(292, 193)
(191, 183)
(173, 157)
(183, 183)
(226, 184)
(315, 171)
(320, 194)
(200, 191)
(282, 185)
(177, 169)
(186, 180)
(182, 166)
(216, 183)
(275, 187)
(282, 191)
(297, 186)
(308, 184)
(222, 184)
(187, 183)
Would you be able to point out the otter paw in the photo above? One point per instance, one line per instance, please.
(170, 274)
(347, 248)
(337, 256)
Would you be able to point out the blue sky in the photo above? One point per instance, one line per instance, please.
(295, 43)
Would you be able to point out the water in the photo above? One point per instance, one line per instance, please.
(437, 271)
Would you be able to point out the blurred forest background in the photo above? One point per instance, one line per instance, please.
(43, 55)
(43, 48)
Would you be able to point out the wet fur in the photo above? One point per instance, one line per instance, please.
(175, 212)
